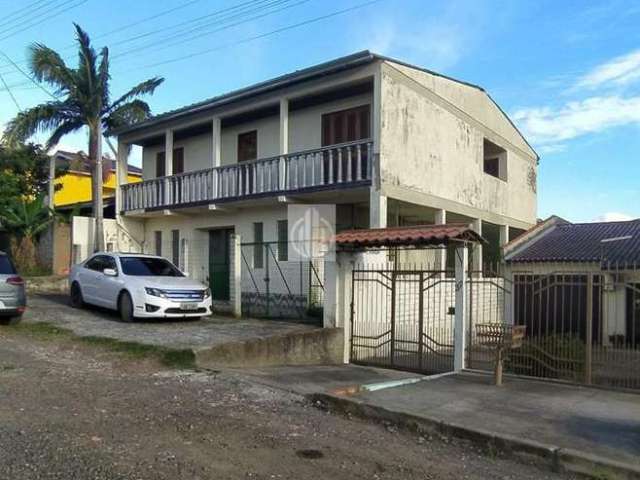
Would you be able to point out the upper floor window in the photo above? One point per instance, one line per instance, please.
(177, 164)
(248, 146)
(346, 125)
(494, 160)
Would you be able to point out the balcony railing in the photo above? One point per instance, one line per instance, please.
(346, 164)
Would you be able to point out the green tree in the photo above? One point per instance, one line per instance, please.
(24, 172)
(25, 219)
(82, 100)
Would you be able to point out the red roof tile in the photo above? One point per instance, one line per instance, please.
(407, 236)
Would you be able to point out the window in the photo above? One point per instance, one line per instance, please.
(283, 240)
(178, 160)
(248, 146)
(6, 267)
(175, 246)
(346, 125)
(98, 263)
(495, 160)
(160, 164)
(258, 247)
(157, 237)
(148, 267)
(177, 164)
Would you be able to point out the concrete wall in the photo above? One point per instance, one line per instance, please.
(116, 237)
(431, 148)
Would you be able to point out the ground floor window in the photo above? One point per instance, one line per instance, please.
(175, 247)
(157, 237)
(258, 248)
(283, 240)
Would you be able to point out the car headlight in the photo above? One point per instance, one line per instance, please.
(156, 292)
(207, 292)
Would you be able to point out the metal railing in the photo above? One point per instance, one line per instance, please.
(342, 164)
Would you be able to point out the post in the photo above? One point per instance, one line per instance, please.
(476, 226)
(377, 209)
(235, 273)
(122, 170)
(338, 296)
(216, 142)
(459, 345)
(441, 255)
(284, 126)
(588, 351)
(168, 164)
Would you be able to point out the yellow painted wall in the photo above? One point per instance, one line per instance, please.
(76, 188)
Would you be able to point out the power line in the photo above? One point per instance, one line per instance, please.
(26, 7)
(8, 20)
(48, 16)
(25, 74)
(263, 35)
(10, 93)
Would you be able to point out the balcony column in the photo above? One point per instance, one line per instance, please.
(476, 226)
(216, 139)
(168, 164)
(284, 142)
(122, 177)
(441, 255)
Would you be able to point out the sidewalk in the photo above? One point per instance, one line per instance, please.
(582, 429)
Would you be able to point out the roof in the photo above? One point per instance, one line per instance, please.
(357, 59)
(420, 235)
(614, 242)
(77, 162)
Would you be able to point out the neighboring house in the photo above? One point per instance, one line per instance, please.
(74, 191)
(552, 265)
(387, 143)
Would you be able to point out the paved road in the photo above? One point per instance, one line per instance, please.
(69, 410)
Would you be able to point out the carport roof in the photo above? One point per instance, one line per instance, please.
(419, 235)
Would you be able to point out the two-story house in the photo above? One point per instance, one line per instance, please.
(388, 143)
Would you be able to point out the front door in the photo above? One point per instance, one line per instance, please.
(219, 263)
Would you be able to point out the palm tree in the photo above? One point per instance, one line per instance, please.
(82, 100)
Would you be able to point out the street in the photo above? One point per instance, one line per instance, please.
(70, 409)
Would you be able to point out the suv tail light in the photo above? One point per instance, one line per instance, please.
(15, 280)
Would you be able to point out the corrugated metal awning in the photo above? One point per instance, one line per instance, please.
(415, 236)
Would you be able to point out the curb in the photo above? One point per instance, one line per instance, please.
(556, 458)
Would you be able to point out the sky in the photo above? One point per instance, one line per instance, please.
(567, 73)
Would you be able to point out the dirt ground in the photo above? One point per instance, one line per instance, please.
(69, 410)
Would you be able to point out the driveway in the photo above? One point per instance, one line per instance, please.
(178, 334)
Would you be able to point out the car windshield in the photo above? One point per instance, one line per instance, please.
(148, 267)
(6, 267)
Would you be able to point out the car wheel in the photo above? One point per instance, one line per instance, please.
(125, 307)
(76, 296)
(10, 320)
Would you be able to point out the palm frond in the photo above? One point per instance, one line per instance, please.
(48, 66)
(103, 75)
(127, 114)
(87, 76)
(143, 88)
(42, 117)
(66, 127)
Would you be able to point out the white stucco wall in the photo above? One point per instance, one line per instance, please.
(197, 155)
(431, 146)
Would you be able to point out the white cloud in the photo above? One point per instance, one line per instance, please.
(613, 217)
(553, 125)
(620, 70)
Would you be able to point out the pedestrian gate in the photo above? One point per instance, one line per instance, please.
(403, 319)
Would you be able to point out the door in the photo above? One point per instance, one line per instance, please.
(219, 263)
(109, 286)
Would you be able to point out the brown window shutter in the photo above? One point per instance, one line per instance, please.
(346, 125)
(160, 164)
(178, 160)
(248, 146)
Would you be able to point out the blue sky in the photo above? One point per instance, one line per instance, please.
(568, 73)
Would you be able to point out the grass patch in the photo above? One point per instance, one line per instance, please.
(181, 359)
(173, 358)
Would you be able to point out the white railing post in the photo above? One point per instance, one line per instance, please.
(460, 323)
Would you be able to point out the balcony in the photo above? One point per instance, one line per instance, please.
(337, 166)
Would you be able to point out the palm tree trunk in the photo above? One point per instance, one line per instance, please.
(95, 153)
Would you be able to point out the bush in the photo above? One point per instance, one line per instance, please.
(551, 356)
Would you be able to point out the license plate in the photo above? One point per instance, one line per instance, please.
(188, 306)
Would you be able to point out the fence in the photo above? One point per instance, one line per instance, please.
(277, 282)
(581, 326)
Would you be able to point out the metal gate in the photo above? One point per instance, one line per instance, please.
(403, 319)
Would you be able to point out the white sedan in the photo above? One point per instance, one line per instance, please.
(137, 286)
